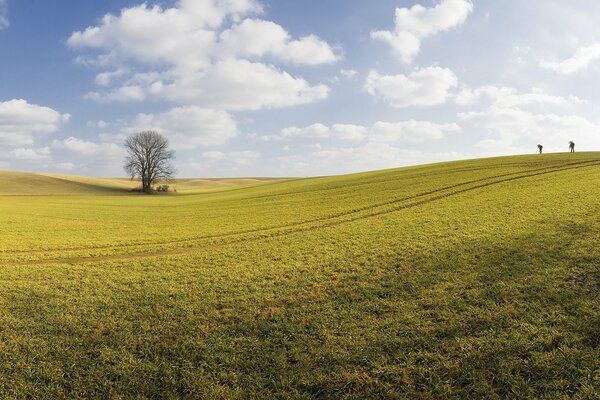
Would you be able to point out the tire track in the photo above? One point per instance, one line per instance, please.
(295, 224)
(189, 249)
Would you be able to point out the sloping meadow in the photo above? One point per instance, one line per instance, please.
(473, 279)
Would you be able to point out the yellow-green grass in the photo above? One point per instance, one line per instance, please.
(471, 279)
(209, 185)
(24, 183)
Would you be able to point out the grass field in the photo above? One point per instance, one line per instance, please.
(22, 183)
(471, 279)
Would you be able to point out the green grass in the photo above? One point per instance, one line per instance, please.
(23, 183)
(471, 279)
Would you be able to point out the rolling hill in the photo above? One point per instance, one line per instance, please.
(26, 184)
(468, 279)
(36, 184)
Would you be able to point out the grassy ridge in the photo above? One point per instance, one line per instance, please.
(474, 279)
(30, 184)
(25, 184)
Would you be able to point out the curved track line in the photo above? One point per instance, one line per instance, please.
(186, 250)
(295, 224)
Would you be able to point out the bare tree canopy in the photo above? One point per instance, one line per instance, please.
(149, 158)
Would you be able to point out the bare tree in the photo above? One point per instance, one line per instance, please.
(149, 158)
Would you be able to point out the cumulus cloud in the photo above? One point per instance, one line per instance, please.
(71, 154)
(408, 131)
(414, 24)
(238, 85)
(369, 156)
(313, 131)
(105, 78)
(190, 59)
(123, 94)
(3, 15)
(29, 154)
(581, 60)
(65, 166)
(348, 73)
(411, 131)
(246, 157)
(106, 155)
(21, 121)
(513, 119)
(258, 38)
(76, 145)
(188, 127)
(422, 87)
(101, 124)
(349, 132)
(151, 34)
(233, 163)
(508, 126)
(510, 97)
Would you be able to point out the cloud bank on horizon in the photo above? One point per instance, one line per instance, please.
(252, 87)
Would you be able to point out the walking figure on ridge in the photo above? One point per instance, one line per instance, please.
(572, 147)
(540, 147)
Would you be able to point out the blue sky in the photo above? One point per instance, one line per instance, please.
(289, 88)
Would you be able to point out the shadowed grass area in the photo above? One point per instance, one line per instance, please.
(473, 279)
(23, 183)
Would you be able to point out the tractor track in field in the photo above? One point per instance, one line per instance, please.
(329, 222)
(283, 226)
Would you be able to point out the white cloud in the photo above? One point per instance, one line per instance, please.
(522, 49)
(87, 157)
(105, 78)
(101, 124)
(265, 138)
(508, 126)
(188, 127)
(123, 94)
(73, 153)
(90, 157)
(3, 14)
(21, 121)
(349, 132)
(213, 12)
(65, 166)
(581, 60)
(422, 87)
(29, 154)
(150, 34)
(370, 156)
(186, 36)
(509, 97)
(233, 163)
(408, 131)
(414, 24)
(257, 38)
(411, 131)
(213, 155)
(348, 73)
(313, 131)
(75, 145)
(243, 85)
(191, 60)
(513, 121)
(246, 157)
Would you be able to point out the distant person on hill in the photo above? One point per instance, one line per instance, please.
(572, 146)
(540, 148)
